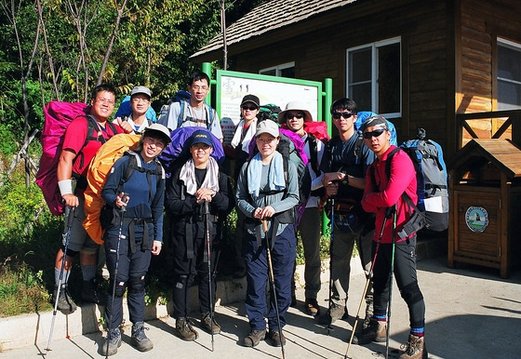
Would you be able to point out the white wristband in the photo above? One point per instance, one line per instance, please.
(65, 187)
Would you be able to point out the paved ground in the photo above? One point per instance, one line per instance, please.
(471, 313)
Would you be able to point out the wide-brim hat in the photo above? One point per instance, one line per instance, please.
(295, 106)
(159, 131)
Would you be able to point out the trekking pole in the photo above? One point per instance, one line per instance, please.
(122, 210)
(390, 287)
(208, 258)
(368, 281)
(69, 213)
(331, 241)
(272, 280)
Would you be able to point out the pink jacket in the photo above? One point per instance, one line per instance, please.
(389, 192)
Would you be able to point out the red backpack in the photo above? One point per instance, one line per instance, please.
(58, 115)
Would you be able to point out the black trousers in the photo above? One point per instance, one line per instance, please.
(132, 269)
(406, 278)
(189, 270)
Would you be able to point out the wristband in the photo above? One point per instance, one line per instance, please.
(65, 187)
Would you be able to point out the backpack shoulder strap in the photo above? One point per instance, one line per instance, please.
(181, 117)
(209, 115)
(313, 153)
(357, 150)
(390, 157)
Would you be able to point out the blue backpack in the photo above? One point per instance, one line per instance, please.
(125, 110)
(362, 116)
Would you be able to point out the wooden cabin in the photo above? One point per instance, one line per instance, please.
(452, 67)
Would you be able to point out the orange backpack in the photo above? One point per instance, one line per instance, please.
(99, 168)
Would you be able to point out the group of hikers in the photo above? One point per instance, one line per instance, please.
(348, 179)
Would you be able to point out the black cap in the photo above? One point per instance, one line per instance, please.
(251, 99)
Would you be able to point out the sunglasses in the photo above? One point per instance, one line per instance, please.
(291, 115)
(250, 107)
(337, 115)
(376, 133)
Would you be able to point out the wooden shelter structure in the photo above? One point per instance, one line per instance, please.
(485, 196)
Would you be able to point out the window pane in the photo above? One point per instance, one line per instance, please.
(389, 78)
(361, 94)
(288, 72)
(509, 95)
(360, 65)
(509, 63)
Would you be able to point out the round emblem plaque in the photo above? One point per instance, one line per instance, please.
(476, 219)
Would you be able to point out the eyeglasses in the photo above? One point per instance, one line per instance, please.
(291, 115)
(375, 133)
(105, 100)
(337, 115)
(251, 107)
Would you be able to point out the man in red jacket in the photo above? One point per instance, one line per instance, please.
(83, 138)
(388, 187)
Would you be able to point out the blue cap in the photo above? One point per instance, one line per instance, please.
(201, 136)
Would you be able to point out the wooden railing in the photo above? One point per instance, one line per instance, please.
(512, 118)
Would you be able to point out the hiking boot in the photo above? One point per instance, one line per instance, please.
(312, 307)
(65, 303)
(139, 340)
(376, 331)
(336, 312)
(184, 330)
(276, 339)
(253, 338)
(209, 325)
(415, 348)
(113, 342)
(89, 292)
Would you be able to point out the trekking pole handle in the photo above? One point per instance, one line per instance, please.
(264, 225)
(124, 198)
(69, 214)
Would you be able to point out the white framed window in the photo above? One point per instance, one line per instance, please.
(508, 75)
(374, 77)
(283, 70)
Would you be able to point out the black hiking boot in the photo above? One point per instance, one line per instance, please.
(89, 292)
(209, 325)
(253, 338)
(139, 340)
(275, 339)
(184, 330)
(65, 303)
(113, 342)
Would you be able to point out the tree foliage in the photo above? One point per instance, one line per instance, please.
(60, 49)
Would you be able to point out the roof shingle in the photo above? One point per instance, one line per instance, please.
(268, 16)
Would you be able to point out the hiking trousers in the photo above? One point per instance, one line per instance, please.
(283, 254)
(406, 279)
(132, 269)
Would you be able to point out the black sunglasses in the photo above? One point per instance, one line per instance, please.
(337, 115)
(250, 107)
(375, 133)
(298, 115)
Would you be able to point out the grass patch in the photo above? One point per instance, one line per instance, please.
(21, 290)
